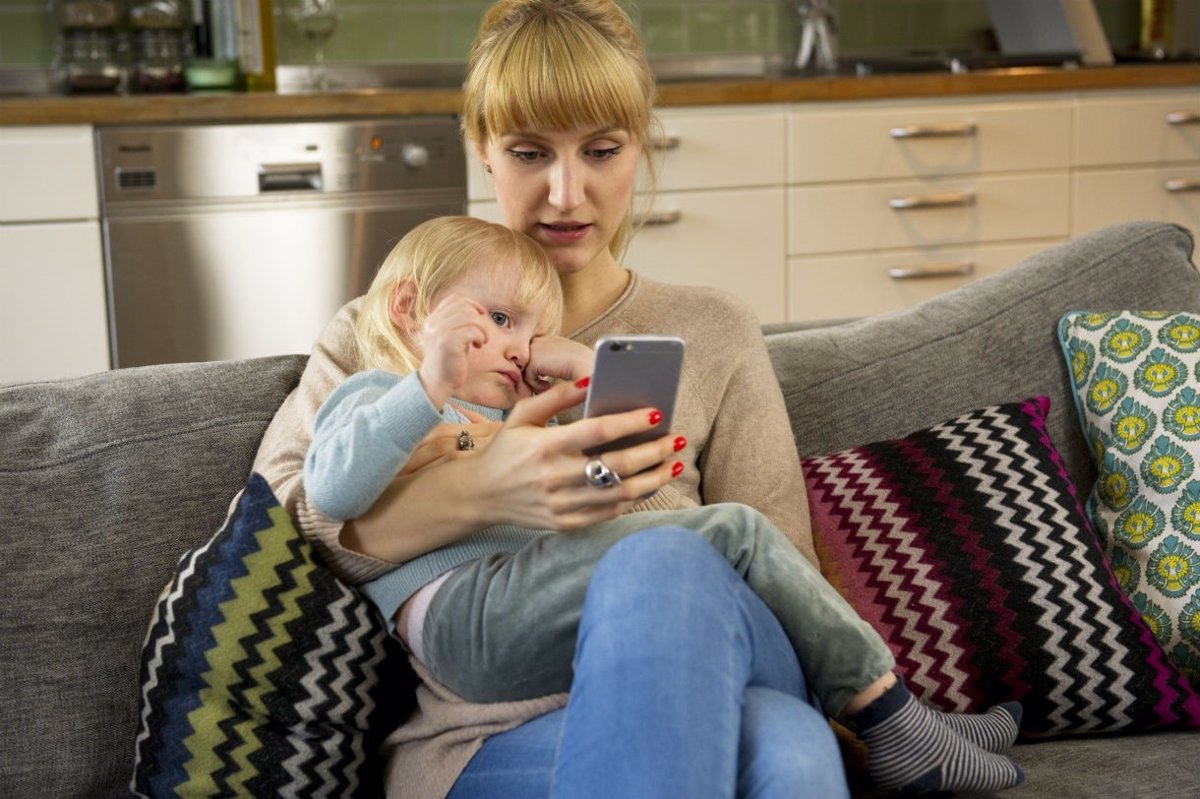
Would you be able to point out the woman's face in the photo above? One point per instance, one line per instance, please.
(568, 190)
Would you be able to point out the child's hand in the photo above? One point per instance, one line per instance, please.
(450, 331)
(555, 357)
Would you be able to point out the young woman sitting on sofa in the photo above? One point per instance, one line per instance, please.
(557, 105)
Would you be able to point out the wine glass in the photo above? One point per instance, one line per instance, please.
(317, 20)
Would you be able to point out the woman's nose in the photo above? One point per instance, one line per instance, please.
(566, 185)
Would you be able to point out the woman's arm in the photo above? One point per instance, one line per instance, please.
(529, 475)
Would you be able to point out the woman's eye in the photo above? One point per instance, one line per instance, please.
(528, 156)
(500, 318)
(604, 153)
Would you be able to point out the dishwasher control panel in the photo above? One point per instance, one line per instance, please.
(294, 159)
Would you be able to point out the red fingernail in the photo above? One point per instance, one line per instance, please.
(677, 469)
(582, 382)
(680, 443)
(655, 417)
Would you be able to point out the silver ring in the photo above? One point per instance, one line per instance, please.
(599, 475)
(465, 442)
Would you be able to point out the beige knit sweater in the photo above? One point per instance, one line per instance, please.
(740, 449)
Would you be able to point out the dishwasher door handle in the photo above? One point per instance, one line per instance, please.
(289, 177)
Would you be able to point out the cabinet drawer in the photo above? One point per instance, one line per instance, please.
(944, 211)
(732, 240)
(728, 147)
(1106, 197)
(53, 315)
(927, 140)
(49, 173)
(1127, 129)
(851, 286)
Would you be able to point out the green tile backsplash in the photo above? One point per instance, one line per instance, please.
(441, 30)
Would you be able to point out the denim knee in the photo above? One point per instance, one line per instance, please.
(649, 557)
(787, 749)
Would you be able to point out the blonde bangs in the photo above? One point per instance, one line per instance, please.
(555, 72)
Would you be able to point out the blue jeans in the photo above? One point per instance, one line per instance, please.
(685, 686)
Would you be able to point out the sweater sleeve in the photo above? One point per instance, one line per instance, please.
(363, 435)
(280, 458)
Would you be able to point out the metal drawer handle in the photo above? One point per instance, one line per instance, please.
(951, 199)
(1178, 186)
(1183, 118)
(289, 177)
(671, 141)
(938, 130)
(657, 218)
(949, 269)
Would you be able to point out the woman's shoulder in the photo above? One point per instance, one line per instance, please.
(696, 313)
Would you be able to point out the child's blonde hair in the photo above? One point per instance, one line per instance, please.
(434, 255)
(559, 65)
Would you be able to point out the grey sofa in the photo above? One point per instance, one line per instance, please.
(106, 480)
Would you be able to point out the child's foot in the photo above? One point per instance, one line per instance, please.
(908, 747)
(995, 731)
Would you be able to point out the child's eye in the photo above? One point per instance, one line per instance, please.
(500, 318)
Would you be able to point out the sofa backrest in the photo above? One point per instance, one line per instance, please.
(989, 342)
(105, 482)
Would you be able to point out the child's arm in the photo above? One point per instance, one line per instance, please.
(555, 357)
(363, 435)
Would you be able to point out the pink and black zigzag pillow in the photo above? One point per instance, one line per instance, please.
(967, 547)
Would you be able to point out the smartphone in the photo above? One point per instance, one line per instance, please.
(633, 372)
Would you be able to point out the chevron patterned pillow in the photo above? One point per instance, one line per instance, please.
(967, 547)
(262, 674)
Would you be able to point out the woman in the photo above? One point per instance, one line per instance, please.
(558, 106)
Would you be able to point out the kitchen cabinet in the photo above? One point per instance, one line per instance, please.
(892, 203)
(1137, 156)
(53, 317)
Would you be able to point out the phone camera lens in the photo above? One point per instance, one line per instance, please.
(614, 346)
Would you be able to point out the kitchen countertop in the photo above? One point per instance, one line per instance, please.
(113, 110)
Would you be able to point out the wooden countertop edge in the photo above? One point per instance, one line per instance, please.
(367, 103)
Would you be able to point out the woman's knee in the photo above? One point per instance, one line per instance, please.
(787, 748)
(659, 557)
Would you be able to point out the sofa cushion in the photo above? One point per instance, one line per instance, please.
(1135, 377)
(967, 548)
(990, 342)
(104, 482)
(263, 674)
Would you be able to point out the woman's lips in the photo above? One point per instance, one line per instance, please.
(564, 232)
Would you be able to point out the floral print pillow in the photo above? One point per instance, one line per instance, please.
(1136, 376)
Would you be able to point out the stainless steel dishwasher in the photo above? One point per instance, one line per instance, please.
(243, 240)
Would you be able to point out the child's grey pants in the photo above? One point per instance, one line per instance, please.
(503, 628)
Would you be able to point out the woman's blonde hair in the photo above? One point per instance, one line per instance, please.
(434, 255)
(559, 65)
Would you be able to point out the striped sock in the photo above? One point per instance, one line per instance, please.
(909, 748)
(996, 730)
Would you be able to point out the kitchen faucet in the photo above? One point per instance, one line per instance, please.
(818, 35)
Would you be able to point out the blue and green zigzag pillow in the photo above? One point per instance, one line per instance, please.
(262, 674)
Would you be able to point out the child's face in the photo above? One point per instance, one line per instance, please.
(495, 370)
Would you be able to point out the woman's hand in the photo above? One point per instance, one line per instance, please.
(442, 442)
(555, 358)
(538, 478)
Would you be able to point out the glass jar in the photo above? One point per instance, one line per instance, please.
(88, 61)
(159, 14)
(159, 55)
(89, 14)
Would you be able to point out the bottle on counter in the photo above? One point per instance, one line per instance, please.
(213, 65)
(161, 44)
(256, 45)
